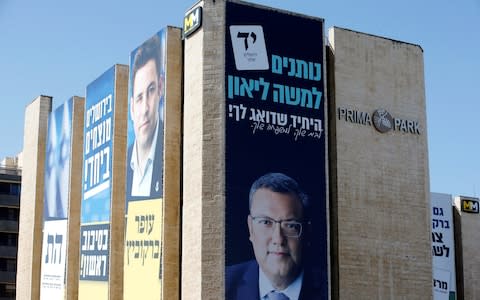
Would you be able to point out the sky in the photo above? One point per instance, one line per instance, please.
(57, 48)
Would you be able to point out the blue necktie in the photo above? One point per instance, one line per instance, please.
(273, 295)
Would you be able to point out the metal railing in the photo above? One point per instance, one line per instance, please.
(10, 171)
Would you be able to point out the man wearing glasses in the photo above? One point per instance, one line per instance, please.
(276, 225)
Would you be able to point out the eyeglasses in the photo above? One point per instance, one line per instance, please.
(289, 228)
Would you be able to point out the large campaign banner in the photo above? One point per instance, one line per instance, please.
(443, 247)
(56, 202)
(276, 182)
(144, 170)
(96, 187)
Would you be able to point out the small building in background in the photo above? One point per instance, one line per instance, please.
(10, 187)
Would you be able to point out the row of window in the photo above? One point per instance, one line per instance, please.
(8, 239)
(8, 265)
(9, 188)
(9, 214)
(7, 290)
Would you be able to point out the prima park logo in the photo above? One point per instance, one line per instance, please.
(381, 120)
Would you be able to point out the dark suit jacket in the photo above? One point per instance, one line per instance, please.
(241, 283)
(156, 189)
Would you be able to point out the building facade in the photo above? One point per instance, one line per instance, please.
(346, 118)
(10, 187)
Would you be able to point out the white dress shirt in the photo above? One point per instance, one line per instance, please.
(292, 291)
(142, 176)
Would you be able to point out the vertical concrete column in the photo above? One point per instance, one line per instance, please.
(203, 157)
(75, 189)
(467, 237)
(31, 199)
(380, 182)
(172, 165)
(117, 209)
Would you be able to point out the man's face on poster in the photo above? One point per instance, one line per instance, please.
(278, 255)
(147, 87)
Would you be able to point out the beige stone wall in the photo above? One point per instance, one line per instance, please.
(203, 162)
(31, 199)
(380, 182)
(117, 208)
(467, 237)
(191, 279)
(75, 198)
(172, 166)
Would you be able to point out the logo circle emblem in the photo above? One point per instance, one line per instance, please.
(382, 120)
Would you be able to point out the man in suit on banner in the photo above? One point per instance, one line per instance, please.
(277, 225)
(145, 155)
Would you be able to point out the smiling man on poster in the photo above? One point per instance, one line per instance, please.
(277, 226)
(145, 155)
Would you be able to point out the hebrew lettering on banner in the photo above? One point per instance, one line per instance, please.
(54, 254)
(443, 248)
(275, 106)
(143, 248)
(94, 251)
(98, 143)
(56, 201)
(144, 195)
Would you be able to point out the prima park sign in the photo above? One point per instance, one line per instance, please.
(380, 119)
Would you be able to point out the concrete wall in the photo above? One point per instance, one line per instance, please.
(203, 158)
(31, 199)
(117, 209)
(75, 189)
(467, 237)
(381, 229)
(172, 166)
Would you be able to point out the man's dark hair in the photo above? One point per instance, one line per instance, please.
(280, 183)
(151, 49)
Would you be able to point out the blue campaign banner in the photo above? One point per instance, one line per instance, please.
(94, 252)
(275, 153)
(97, 151)
(57, 162)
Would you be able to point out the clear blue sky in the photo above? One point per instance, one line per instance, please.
(56, 48)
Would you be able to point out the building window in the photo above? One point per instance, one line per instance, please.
(8, 265)
(7, 290)
(8, 239)
(14, 189)
(7, 188)
(9, 213)
(4, 188)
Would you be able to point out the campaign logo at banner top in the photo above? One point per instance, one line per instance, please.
(249, 47)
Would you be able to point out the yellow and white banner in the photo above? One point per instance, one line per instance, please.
(143, 250)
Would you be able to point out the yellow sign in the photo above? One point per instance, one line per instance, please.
(143, 250)
(89, 289)
(470, 206)
(192, 21)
